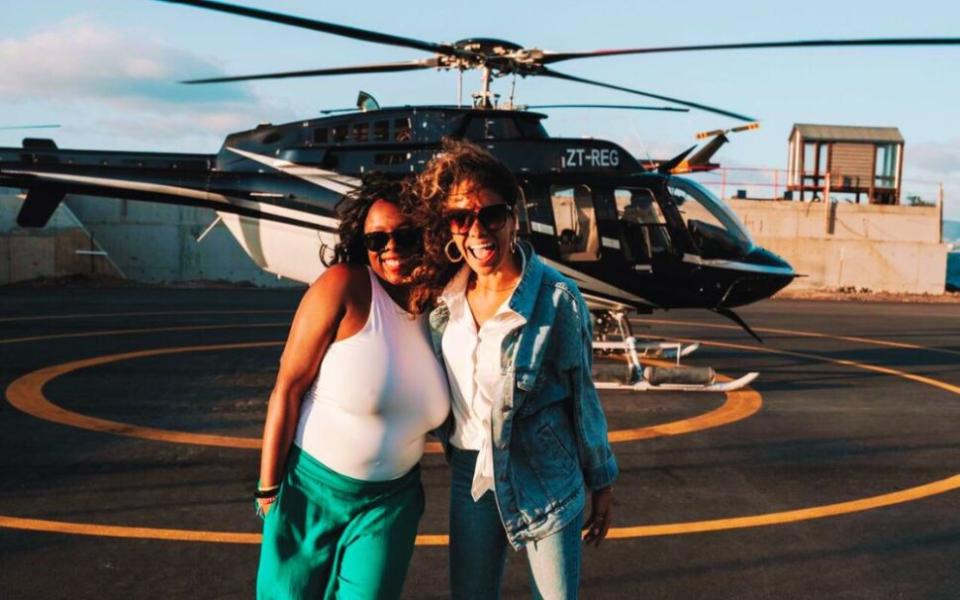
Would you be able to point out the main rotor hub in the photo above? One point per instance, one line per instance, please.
(487, 46)
(499, 57)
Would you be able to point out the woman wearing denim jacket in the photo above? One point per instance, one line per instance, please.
(527, 432)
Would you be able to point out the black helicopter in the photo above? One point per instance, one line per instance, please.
(632, 235)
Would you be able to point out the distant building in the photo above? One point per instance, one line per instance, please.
(863, 161)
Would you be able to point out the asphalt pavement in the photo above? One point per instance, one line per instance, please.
(129, 429)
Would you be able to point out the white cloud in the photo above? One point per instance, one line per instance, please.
(937, 158)
(935, 163)
(113, 90)
(82, 60)
(195, 131)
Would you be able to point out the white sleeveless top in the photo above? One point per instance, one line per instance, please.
(376, 395)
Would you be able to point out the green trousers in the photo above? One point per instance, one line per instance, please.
(330, 536)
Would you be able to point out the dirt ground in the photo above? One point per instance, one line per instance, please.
(863, 295)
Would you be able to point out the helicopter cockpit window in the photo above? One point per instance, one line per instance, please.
(531, 130)
(361, 132)
(381, 131)
(644, 229)
(576, 222)
(714, 227)
(272, 137)
(402, 130)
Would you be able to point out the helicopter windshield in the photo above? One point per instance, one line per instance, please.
(706, 216)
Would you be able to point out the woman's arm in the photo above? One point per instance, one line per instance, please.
(315, 326)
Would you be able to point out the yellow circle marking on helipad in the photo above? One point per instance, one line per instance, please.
(777, 518)
(163, 313)
(82, 334)
(26, 394)
(122, 531)
(808, 334)
(953, 389)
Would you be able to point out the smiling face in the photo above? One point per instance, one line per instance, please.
(485, 251)
(394, 261)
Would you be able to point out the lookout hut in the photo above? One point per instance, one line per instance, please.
(860, 161)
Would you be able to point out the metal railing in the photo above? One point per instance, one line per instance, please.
(772, 183)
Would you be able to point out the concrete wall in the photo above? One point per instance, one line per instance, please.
(157, 243)
(144, 242)
(51, 252)
(879, 248)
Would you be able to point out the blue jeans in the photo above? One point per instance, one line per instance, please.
(478, 545)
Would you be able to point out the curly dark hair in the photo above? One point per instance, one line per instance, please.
(458, 161)
(352, 210)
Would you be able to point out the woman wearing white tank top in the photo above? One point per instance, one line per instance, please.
(357, 391)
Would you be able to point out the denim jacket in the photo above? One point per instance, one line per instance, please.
(549, 433)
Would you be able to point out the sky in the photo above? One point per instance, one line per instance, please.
(107, 71)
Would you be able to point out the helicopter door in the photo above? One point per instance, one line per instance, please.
(644, 233)
(575, 218)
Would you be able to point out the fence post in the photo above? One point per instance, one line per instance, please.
(940, 204)
(827, 205)
(776, 183)
(723, 183)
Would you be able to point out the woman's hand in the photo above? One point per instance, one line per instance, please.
(601, 515)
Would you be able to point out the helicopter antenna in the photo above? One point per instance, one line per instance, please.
(513, 88)
(639, 137)
(459, 88)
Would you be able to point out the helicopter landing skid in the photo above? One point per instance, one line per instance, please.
(650, 349)
(643, 385)
(614, 324)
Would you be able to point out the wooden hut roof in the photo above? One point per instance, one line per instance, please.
(847, 133)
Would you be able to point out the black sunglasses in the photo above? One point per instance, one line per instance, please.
(492, 218)
(404, 239)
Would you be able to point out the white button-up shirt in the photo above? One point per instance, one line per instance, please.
(472, 357)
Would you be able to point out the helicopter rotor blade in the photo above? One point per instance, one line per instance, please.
(747, 127)
(412, 65)
(7, 127)
(614, 106)
(332, 28)
(718, 132)
(553, 57)
(719, 111)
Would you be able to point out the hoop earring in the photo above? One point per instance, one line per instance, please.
(446, 250)
(513, 242)
(327, 254)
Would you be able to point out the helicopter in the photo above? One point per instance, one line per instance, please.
(634, 236)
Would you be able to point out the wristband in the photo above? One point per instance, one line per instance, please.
(264, 493)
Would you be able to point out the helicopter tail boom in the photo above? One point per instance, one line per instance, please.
(49, 173)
